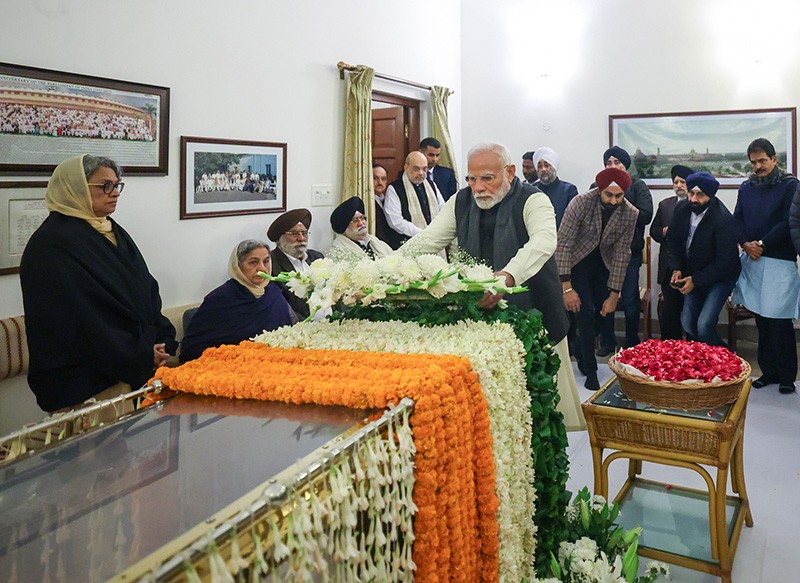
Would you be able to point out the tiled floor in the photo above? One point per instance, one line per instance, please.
(767, 552)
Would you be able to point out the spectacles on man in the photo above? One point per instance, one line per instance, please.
(485, 179)
(358, 219)
(297, 234)
(108, 186)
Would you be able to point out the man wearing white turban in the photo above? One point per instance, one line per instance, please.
(559, 192)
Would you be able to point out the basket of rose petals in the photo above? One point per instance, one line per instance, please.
(678, 374)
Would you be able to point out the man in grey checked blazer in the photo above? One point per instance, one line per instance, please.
(593, 251)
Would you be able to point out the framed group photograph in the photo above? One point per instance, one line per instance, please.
(47, 116)
(231, 177)
(22, 210)
(713, 141)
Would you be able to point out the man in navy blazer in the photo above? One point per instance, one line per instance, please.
(669, 317)
(443, 177)
(704, 257)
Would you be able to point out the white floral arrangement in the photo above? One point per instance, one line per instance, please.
(497, 357)
(584, 562)
(597, 549)
(327, 282)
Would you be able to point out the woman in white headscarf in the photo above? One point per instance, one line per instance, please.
(242, 307)
(92, 309)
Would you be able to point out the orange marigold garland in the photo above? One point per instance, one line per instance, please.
(456, 530)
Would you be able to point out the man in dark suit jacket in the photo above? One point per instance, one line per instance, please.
(669, 317)
(290, 234)
(383, 231)
(704, 257)
(443, 177)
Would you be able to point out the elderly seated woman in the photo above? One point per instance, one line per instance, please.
(242, 307)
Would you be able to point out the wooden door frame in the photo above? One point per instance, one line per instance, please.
(411, 116)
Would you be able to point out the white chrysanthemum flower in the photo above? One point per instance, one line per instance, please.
(320, 270)
(430, 265)
(585, 549)
(365, 274)
(478, 272)
(573, 512)
(298, 286)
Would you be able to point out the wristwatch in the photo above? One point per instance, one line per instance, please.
(760, 244)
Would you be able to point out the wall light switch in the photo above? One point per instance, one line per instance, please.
(321, 195)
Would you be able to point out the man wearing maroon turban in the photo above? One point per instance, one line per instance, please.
(593, 252)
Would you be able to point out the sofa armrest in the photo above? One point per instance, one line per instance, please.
(14, 358)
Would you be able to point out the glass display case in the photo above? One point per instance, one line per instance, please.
(136, 491)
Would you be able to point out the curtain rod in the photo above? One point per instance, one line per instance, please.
(345, 67)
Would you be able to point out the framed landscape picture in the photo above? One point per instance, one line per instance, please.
(48, 116)
(231, 177)
(714, 141)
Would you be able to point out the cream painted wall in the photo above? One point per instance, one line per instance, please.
(236, 69)
(540, 73)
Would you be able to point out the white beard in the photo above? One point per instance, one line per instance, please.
(487, 204)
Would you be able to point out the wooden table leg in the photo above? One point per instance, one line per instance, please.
(721, 543)
(600, 478)
(737, 479)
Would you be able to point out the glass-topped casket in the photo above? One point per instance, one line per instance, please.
(171, 489)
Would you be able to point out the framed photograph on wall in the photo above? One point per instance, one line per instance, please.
(23, 210)
(231, 177)
(714, 141)
(48, 116)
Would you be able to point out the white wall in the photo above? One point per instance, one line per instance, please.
(541, 73)
(616, 57)
(236, 69)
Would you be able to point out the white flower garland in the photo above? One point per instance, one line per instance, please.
(327, 281)
(354, 523)
(497, 356)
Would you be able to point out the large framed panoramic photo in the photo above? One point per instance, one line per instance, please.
(715, 141)
(231, 177)
(48, 116)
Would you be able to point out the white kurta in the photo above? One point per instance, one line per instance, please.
(769, 287)
(344, 248)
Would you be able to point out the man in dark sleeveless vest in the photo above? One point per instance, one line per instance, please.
(511, 226)
(412, 201)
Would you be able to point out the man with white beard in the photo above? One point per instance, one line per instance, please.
(352, 241)
(669, 317)
(510, 226)
(290, 234)
(559, 192)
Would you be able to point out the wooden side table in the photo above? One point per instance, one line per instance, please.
(697, 529)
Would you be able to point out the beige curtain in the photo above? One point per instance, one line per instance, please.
(357, 175)
(441, 131)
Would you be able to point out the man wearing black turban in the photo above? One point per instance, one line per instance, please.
(669, 316)
(639, 196)
(352, 241)
(704, 257)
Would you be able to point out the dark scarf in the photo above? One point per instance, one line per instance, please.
(770, 179)
(230, 314)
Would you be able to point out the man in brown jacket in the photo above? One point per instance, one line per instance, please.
(592, 254)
